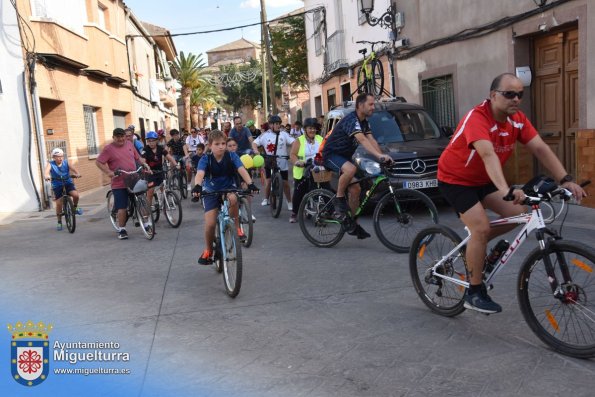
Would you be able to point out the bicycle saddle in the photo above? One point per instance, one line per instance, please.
(363, 51)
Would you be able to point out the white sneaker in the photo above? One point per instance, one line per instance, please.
(253, 218)
(289, 206)
(265, 202)
(189, 187)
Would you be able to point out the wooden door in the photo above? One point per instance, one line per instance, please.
(556, 94)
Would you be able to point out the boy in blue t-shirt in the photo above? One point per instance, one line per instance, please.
(216, 171)
(59, 170)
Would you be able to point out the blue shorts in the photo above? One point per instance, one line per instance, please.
(211, 202)
(58, 190)
(334, 162)
(120, 198)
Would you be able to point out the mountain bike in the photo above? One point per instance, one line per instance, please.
(177, 180)
(227, 250)
(398, 216)
(164, 199)
(370, 76)
(276, 194)
(138, 208)
(554, 284)
(68, 209)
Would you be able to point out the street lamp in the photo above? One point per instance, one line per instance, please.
(386, 20)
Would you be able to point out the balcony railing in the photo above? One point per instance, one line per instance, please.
(335, 54)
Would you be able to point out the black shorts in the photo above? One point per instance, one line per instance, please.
(462, 198)
(268, 172)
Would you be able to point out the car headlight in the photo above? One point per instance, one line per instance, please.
(371, 167)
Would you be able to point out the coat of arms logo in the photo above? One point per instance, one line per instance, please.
(29, 348)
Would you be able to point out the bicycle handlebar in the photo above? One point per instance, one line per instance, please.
(119, 171)
(565, 194)
(64, 178)
(240, 192)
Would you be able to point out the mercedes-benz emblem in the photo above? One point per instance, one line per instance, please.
(418, 166)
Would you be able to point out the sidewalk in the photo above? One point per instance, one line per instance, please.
(91, 201)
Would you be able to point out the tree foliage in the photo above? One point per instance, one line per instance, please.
(288, 42)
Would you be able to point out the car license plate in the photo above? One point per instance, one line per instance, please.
(422, 184)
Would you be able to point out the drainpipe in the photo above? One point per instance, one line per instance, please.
(30, 140)
(38, 126)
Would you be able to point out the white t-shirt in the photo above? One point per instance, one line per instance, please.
(267, 141)
(193, 142)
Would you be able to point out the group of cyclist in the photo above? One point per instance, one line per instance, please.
(469, 170)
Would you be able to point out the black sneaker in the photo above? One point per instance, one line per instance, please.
(359, 232)
(122, 235)
(481, 302)
(340, 204)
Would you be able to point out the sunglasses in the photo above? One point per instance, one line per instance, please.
(511, 94)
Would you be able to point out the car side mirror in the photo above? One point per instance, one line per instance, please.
(448, 131)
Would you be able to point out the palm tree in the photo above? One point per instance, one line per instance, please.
(206, 96)
(190, 75)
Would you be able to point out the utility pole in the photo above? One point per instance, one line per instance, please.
(265, 103)
(267, 43)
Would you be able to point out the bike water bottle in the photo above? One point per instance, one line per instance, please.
(495, 254)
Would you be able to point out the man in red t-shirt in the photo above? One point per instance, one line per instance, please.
(471, 178)
(120, 154)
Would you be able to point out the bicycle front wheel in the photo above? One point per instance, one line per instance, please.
(276, 196)
(362, 82)
(430, 246)
(232, 261)
(565, 323)
(155, 206)
(69, 214)
(399, 218)
(183, 182)
(111, 212)
(172, 207)
(145, 217)
(316, 219)
(246, 223)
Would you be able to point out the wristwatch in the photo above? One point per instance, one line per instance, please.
(567, 178)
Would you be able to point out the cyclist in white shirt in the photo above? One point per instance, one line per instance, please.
(275, 142)
(192, 142)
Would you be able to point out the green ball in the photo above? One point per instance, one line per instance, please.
(258, 161)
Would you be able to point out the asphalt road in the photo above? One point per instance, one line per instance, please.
(343, 321)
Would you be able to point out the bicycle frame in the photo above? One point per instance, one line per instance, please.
(366, 65)
(532, 221)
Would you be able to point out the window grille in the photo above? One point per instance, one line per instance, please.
(55, 143)
(317, 34)
(439, 101)
(90, 129)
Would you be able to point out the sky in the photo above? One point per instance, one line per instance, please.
(182, 16)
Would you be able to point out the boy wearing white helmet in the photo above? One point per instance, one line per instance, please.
(58, 171)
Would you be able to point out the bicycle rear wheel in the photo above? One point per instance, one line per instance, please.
(246, 223)
(69, 214)
(429, 246)
(397, 221)
(111, 212)
(567, 323)
(172, 208)
(377, 81)
(276, 196)
(316, 219)
(232, 260)
(145, 217)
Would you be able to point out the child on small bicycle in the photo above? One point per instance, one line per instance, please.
(154, 154)
(58, 168)
(216, 171)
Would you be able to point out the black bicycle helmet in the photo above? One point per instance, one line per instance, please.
(274, 119)
(311, 122)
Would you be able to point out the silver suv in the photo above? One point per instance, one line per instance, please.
(406, 132)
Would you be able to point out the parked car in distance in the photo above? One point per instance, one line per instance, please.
(406, 132)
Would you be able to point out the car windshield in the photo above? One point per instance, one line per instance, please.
(402, 126)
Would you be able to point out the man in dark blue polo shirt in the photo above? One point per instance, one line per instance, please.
(351, 131)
